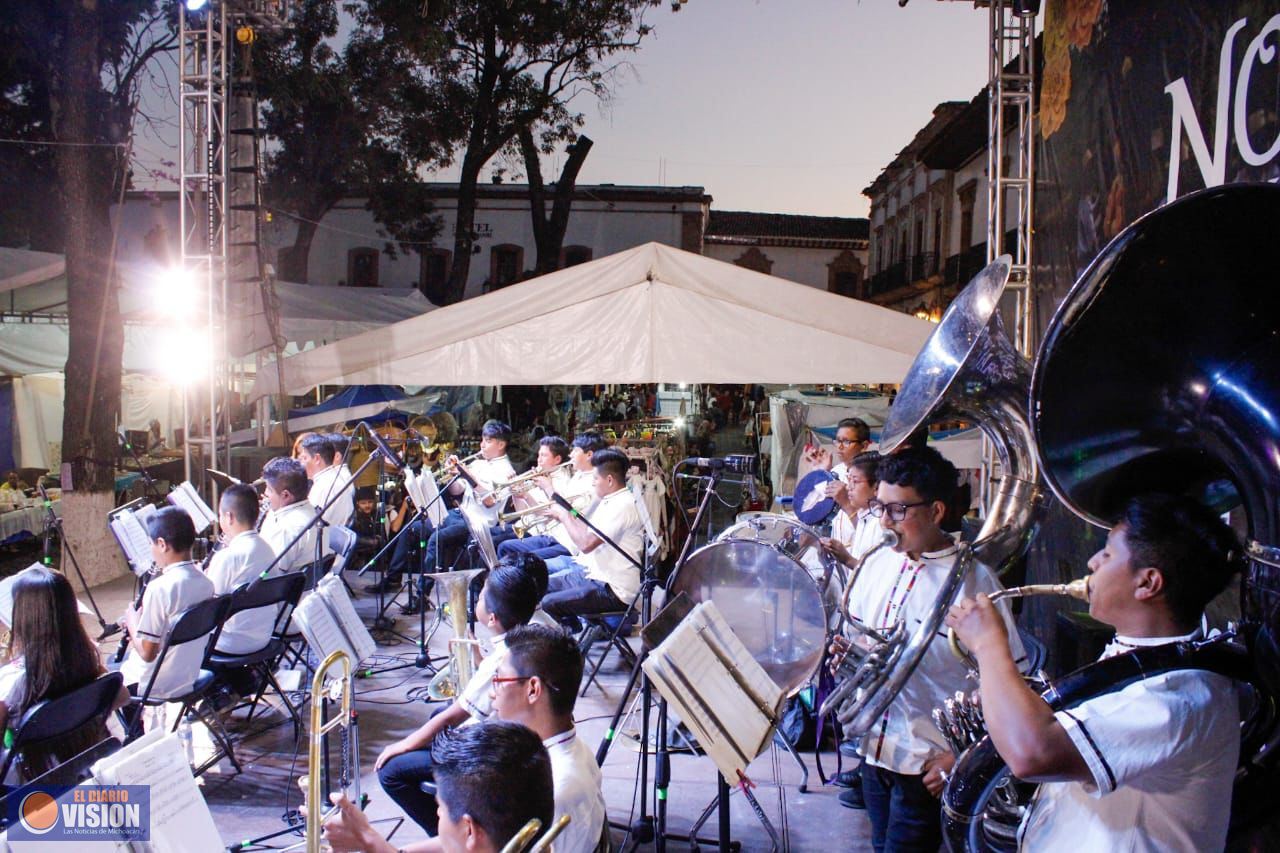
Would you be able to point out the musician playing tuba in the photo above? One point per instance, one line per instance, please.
(906, 757)
(1147, 767)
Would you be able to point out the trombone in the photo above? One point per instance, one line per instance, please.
(319, 730)
(521, 841)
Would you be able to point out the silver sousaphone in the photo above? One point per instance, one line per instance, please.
(967, 370)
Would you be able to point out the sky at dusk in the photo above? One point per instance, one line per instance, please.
(784, 106)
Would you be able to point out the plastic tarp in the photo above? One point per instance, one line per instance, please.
(649, 314)
(23, 267)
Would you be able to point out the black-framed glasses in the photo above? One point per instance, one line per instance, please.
(897, 511)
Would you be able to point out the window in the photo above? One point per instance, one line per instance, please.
(505, 264)
(362, 267)
(571, 256)
(844, 275)
(967, 195)
(433, 277)
(754, 259)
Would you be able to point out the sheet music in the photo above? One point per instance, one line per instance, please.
(424, 490)
(185, 497)
(133, 540)
(334, 593)
(180, 818)
(718, 689)
(320, 628)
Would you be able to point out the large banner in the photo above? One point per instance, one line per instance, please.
(1143, 101)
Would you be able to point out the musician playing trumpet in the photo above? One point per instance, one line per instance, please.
(555, 541)
(1148, 767)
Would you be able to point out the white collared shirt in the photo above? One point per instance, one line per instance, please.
(477, 697)
(576, 778)
(858, 533)
(581, 483)
(329, 483)
(892, 586)
(1162, 753)
(618, 517)
(235, 564)
(179, 587)
(280, 528)
(490, 471)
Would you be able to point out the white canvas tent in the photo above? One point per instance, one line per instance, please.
(649, 314)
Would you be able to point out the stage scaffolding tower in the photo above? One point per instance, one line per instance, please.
(219, 209)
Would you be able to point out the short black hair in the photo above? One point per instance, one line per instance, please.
(551, 655)
(921, 468)
(589, 442)
(318, 445)
(496, 429)
(611, 461)
(339, 442)
(286, 475)
(533, 566)
(1195, 551)
(241, 500)
(556, 445)
(511, 595)
(496, 772)
(861, 431)
(868, 465)
(174, 526)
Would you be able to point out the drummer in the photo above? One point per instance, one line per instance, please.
(853, 436)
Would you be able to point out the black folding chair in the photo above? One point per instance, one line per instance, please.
(282, 592)
(203, 620)
(48, 722)
(610, 625)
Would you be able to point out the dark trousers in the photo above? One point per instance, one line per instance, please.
(402, 779)
(543, 547)
(404, 555)
(571, 593)
(905, 817)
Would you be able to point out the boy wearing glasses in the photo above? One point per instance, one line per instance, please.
(853, 436)
(906, 757)
(508, 599)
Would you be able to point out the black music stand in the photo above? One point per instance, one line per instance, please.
(53, 522)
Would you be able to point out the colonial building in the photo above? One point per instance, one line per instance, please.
(348, 248)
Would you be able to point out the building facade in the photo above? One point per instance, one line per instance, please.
(822, 251)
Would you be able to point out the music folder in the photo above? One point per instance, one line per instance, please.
(717, 688)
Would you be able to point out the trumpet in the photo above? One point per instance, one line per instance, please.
(524, 482)
(521, 841)
(448, 470)
(1078, 588)
(577, 502)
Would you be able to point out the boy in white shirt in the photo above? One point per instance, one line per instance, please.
(508, 599)
(1148, 767)
(290, 514)
(243, 556)
(328, 483)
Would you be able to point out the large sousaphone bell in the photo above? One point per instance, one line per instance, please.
(1159, 373)
(967, 370)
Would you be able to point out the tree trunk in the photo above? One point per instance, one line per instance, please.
(464, 226)
(548, 232)
(91, 404)
(293, 260)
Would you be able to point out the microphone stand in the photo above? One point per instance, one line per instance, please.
(53, 522)
(142, 469)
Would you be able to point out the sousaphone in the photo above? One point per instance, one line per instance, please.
(1159, 373)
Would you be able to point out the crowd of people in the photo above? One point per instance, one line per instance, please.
(1145, 767)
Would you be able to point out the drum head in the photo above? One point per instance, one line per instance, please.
(769, 600)
(810, 505)
(785, 534)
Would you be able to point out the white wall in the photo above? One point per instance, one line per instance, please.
(806, 266)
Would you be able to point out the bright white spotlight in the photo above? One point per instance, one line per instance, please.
(182, 355)
(196, 5)
(678, 423)
(175, 293)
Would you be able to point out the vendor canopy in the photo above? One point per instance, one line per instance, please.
(649, 314)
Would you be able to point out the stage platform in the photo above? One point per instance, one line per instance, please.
(251, 804)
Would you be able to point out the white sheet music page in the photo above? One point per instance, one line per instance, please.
(133, 539)
(320, 628)
(185, 497)
(180, 818)
(718, 689)
(339, 602)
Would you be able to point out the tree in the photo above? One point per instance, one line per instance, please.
(496, 68)
(548, 230)
(75, 67)
(340, 120)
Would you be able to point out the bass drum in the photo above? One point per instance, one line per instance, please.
(755, 575)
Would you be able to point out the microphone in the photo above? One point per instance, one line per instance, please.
(380, 446)
(738, 463)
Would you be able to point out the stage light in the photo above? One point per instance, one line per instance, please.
(182, 355)
(196, 5)
(678, 423)
(176, 293)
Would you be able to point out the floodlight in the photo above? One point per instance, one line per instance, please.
(176, 293)
(196, 5)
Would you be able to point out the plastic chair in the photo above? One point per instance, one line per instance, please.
(49, 721)
(284, 592)
(201, 620)
(342, 541)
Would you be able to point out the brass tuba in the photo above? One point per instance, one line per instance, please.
(967, 369)
(1158, 373)
(452, 679)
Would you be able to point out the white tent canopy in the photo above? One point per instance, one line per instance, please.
(649, 314)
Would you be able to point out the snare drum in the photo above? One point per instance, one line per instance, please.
(756, 574)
